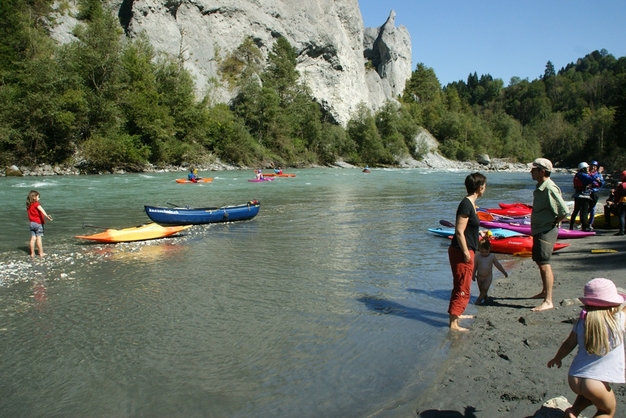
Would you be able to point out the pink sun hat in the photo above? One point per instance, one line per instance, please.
(602, 293)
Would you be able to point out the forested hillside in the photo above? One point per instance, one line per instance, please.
(106, 101)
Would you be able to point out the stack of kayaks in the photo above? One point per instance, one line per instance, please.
(502, 240)
(511, 209)
(524, 228)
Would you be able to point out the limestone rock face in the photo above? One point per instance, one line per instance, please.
(333, 46)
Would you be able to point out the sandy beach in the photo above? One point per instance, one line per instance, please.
(498, 369)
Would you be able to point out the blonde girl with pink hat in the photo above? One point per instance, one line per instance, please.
(599, 335)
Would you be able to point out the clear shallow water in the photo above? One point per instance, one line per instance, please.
(331, 302)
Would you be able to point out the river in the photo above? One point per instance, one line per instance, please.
(330, 303)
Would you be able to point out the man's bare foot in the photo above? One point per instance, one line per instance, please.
(541, 295)
(545, 306)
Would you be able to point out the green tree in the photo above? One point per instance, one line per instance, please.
(363, 131)
(549, 71)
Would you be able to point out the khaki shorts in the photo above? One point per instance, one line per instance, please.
(543, 245)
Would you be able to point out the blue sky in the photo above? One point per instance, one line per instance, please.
(504, 38)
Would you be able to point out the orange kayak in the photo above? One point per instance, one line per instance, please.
(200, 180)
(135, 233)
(278, 175)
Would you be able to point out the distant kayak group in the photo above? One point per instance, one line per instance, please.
(259, 176)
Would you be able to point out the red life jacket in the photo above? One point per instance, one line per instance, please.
(579, 186)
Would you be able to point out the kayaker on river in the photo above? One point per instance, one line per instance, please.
(192, 176)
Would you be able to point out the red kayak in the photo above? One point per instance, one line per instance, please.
(515, 245)
(511, 211)
(279, 175)
(515, 205)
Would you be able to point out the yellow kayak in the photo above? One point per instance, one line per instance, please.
(135, 233)
(599, 222)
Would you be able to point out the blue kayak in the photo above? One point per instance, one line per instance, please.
(195, 216)
(496, 232)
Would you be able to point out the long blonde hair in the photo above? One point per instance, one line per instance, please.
(31, 198)
(603, 332)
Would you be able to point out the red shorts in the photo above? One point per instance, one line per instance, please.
(461, 280)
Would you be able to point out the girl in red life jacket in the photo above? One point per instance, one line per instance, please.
(37, 217)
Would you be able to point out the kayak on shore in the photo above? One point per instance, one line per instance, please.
(496, 232)
(135, 233)
(525, 229)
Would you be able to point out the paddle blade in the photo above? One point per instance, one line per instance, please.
(485, 216)
(446, 223)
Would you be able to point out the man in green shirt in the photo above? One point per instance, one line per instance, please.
(549, 210)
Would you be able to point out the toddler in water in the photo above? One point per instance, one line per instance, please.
(483, 269)
(599, 335)
(37, 217)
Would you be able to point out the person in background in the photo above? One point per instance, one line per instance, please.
(595, 171)
(548, 211)
(483, 269)
(37, 217)
(259, 174)
(599, 335)
(610, 208)
(462, 248)
(191, 176)
(582, 196)
(619, 199)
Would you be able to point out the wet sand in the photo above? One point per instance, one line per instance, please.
(498, 368)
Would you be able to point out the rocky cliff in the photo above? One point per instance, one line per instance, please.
(343, 63)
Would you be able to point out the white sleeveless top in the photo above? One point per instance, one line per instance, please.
(608, 368)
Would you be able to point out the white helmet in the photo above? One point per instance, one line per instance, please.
(583, 165)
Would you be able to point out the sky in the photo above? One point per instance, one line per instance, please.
(503, 38)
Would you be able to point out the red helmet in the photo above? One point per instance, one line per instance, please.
(623, 176)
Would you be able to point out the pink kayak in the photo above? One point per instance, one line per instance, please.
(261, 180)
(525, 229)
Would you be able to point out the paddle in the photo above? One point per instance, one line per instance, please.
(446, 223)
